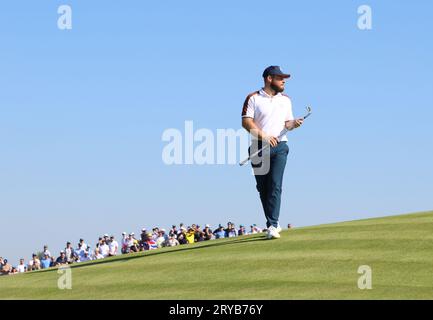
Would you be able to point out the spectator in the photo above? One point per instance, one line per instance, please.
(34, 264)
(106, 239)
(99, 242)
(252, 230)
(113, 247)
(164, 234)
(79, 250)
(77, 258)
(181, 238)
(85, 257)
(172, 241)
(69, 252)
(161, 241)
(13, 271)
(46, 261)
(132, 243)
(150, 243)
(193, 226)
(125, 241)
(220, 232)
(173, 232)
(136, 243)
(21, 268)
(6, 268)
(97, 255)
(155, 233)
(190, 235)
(198, 234)
(144, 237)
(232, 232)
(182, 228)
(83, 245)
(289, 226)
(255, 229)
(242, 231)
(143, 232)
(208, 235)
(227, 230)
(62, 259)
(53, 261)
(46, 251)
(104, 249)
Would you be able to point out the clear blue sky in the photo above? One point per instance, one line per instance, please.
(82, 113)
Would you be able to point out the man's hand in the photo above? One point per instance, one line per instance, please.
(273, 141)
(294, 124)
(299, 122)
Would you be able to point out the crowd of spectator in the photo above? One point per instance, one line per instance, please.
(107, 246)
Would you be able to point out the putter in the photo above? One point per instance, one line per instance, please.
(242, 163)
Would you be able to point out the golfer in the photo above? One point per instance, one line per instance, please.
(265, 115)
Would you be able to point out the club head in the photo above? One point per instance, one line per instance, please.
(309, 111)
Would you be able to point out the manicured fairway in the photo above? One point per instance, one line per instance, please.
(308, 263)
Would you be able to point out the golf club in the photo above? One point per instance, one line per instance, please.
(242, 163)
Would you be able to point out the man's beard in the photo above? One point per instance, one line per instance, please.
(276, 89)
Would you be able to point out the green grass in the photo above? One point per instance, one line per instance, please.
(307, 263)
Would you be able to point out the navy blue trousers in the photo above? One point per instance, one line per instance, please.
(270, 185)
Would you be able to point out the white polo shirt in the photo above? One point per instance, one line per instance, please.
(104, 250)
(21, 268)
(269, 113)
(113, 247)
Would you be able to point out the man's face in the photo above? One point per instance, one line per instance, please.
(277, 83)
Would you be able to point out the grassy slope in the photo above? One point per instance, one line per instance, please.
(307, 263)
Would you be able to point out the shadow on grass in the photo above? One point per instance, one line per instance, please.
(181, 248)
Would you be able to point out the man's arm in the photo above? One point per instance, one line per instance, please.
(292, 123)
(249, 125)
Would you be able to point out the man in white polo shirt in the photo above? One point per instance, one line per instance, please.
(265, 114)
